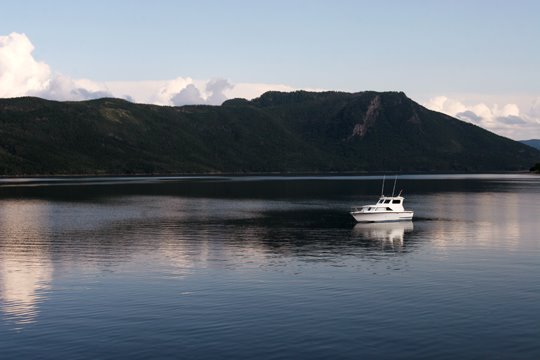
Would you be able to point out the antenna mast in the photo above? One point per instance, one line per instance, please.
(382, 189)
(394, 189)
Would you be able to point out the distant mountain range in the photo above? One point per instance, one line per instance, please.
(277, 132)
(535, 143)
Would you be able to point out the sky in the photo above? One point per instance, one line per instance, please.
(476, 60)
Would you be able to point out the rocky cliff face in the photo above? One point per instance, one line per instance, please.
(369, 118)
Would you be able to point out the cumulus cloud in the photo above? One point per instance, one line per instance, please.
(469, 116)
(213, 93)
(216, 89)
(189, 95)
(168, 90)
(511, 120)
(60, 87)
(507, 120)
(20, 73)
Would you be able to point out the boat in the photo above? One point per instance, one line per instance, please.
(388, 208)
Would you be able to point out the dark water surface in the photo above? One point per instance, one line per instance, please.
(268, 268)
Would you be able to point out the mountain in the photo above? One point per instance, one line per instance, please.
(535, 143)
(277, 132)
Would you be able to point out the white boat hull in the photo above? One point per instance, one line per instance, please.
(361, 216)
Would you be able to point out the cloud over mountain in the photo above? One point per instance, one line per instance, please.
(507, 120)
(216, 89)
(189, 95)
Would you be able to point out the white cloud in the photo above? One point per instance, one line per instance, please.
(506, 120)
(20, 73)
(60, 87)
(213, 93)
(167, 91)
(216, 88)
(445, 105)
(189, 95)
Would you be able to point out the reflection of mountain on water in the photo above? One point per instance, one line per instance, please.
(386, 234)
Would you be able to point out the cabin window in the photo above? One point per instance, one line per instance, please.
(387, 201)
(396, 201)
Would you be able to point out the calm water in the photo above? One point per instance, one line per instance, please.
(268, 268)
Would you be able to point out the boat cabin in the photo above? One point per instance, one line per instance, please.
(385, 204)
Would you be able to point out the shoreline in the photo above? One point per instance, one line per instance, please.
(280, 174)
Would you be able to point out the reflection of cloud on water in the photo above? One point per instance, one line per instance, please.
(25, 266)
(485, 220)
(22, 286)
(385, 233)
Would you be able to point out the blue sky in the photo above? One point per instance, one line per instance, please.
(453, 56)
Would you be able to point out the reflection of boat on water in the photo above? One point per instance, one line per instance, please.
(388, 208)
(383, 231)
